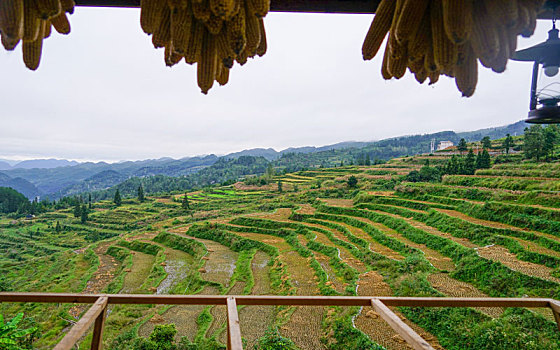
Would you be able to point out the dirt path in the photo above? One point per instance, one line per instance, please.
(100, 279)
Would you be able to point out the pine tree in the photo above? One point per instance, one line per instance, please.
(77, 210)
(483, 160)
(57, 228)
(452, 166)
(470, 163)
(551, 136)
(508, 143)
(141, 197)
(486, 143)
(533, 142)
(352, 181)
(117, 199)
(185, 203)
(89, 200)
(279, 186)
(368, 160)
(84, 216)
(462, 146)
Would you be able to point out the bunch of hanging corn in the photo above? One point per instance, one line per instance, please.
(447, 37)
(211, 33)
(30, 21)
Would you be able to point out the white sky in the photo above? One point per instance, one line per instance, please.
(104, 93)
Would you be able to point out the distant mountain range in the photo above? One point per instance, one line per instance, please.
(35, 163)
(57, 178)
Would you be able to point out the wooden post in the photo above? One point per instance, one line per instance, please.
(408, 334)
(555, 306)
(81, 327)
(234, 332)
(97, 339)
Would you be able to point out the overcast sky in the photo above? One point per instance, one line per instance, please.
(104, 93)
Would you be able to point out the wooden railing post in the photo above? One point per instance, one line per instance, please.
(97, 339)
(81, 327)
(234, 332)
(408, 334)
(555, 306)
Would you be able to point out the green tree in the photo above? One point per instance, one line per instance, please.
(161, 338)
(533, 143)
(11, 336)
(368, 160)
(352, 181)
(84, 214)
(486, 143)
(470, 163)
(272, 340)
(550, 136)
(279, 186)
(89, 200)
(483, 160)
(117, 199)
(141, 197)
(452, 166)
(462, 146)
(508, 143)
(57, 228)
(269, 172)
(77, 210)
(185, 202)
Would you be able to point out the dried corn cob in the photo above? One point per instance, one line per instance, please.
(410, 19)
(11, 19)
(457, 19)
(61, 24)
(48, 8)
(32, 49)
(378, 28)
(462, 32)
(31, 21)
(206, 67)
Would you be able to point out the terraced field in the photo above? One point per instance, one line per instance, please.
(491, 234)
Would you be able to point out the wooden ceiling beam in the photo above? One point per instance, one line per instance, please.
(313, 6)
(317, 6)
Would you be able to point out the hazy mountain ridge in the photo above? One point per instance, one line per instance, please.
(36, 164)
(21, 185)
(56, 182)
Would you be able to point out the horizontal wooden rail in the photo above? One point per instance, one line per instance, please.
(96, 314)
(273, 300)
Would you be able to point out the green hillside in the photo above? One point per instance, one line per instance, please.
(346, 230)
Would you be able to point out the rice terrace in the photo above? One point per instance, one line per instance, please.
(350, 230)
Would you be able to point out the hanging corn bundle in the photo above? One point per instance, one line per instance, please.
(447, 37)
(30, 21)
(211, 33)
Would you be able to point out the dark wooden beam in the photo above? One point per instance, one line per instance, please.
(317, 6)
(314, 6)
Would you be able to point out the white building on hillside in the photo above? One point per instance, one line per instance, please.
(444, 145)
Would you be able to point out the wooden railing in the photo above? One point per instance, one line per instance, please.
(96, 314)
